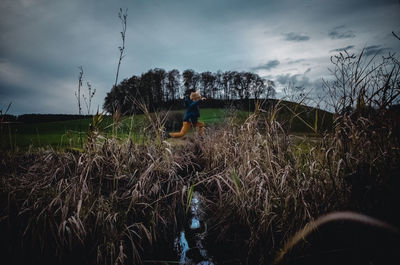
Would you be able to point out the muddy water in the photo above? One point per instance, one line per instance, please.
(189, 243)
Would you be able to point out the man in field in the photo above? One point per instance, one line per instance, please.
(192, 114)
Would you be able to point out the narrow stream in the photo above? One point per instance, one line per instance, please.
(189, 242)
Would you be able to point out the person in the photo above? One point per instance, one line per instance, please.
(192, 114)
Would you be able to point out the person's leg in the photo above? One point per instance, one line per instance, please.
(185, 127)
(200, 126)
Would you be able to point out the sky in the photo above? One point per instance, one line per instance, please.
(43, 42)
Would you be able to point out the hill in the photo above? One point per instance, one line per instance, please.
(61, 131)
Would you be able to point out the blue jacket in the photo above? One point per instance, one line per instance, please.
(192, 110)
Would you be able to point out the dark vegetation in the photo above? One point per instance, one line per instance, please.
(122, 202)
(38, 118)
(160, 90)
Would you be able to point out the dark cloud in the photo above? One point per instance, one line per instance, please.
(340, 32)
(24, 99)
(13, 91)
(268, 66)
(343, 49)
(297, 80)
(286, 79)
(293, 84)
(42, 42)
(296, 61)
(292, 36)
(374, 50)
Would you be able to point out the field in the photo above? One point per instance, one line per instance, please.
(73, 133)
(280, 184)
(66, 134)
(123, 195)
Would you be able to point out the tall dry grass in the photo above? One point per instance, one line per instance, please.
(265, 187)
(106, 205)
(118, 202)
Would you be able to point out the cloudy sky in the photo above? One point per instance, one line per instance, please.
(42, 42)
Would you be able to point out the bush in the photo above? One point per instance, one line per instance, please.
(111, 204)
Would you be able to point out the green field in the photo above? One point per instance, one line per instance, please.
(73, 133)
(63, 134)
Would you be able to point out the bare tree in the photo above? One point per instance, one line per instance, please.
(88, 100)
(123, 17)
(361, 83)
(270, 89)
(173, 84)
(78, 98)
(78, 92)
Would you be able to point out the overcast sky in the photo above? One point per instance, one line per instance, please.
(42, 42)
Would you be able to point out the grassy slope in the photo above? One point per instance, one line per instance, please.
(60, 134)
(49, 133)
(63, 134)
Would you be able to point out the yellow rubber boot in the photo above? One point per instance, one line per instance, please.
(185, 127)
(200, 126)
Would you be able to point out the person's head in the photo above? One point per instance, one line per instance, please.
(189, 91)
(195, 96)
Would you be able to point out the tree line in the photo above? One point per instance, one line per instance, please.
(35, 118)
(158, 89)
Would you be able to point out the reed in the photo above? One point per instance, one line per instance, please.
(101, 206)
(118, 201)
(265, 186)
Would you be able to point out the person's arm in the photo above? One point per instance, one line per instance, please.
(186, 102)
(193, 104)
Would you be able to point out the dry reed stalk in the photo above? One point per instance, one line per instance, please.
(331, 217)
(260, 182)
(96, 200)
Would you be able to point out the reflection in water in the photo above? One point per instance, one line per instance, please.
(190, 245)
(182, 247)
(195, 223)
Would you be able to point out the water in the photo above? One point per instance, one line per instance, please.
(182, 247)
(195, 223)
(189, 242)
